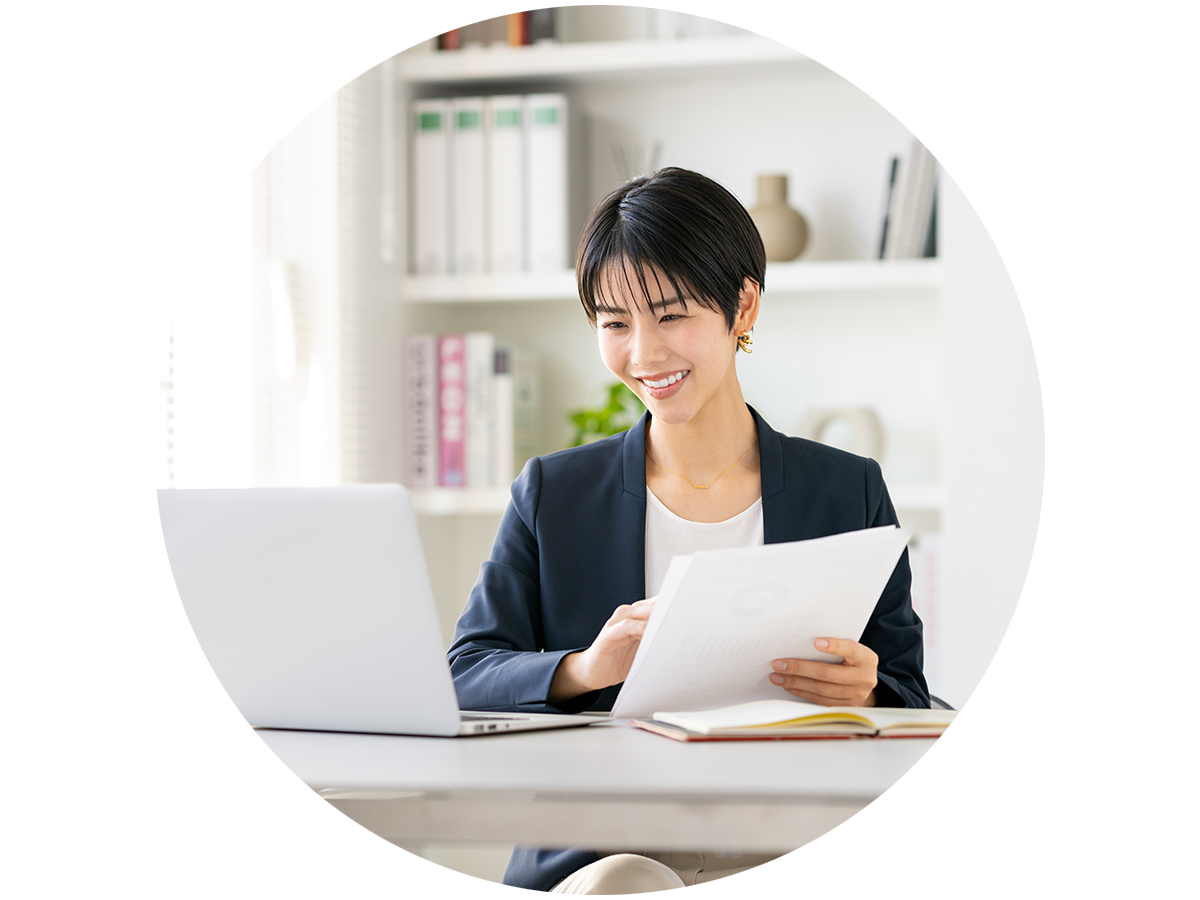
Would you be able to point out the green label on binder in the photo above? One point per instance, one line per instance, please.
(547, 115)
(429, 121)
(468, 118)
(508, 118)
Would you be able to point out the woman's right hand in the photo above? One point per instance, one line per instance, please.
(608, 660)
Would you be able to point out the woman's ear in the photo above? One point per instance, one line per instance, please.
(748, 301)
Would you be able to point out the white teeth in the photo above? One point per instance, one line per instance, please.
(670, 379)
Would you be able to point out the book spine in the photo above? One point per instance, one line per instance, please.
(431, 232)
(527, 408)
(452, 425)
(518, 29)
(502, 417)
(497, 25)
(903, 213)
(477, 34)
(924, 203)
(505, 205)
(543, 25)
(923, 189)
(930, 248)
(422, 411)
(480, 360)
(449, 36)
(888, 203)
(546, 181)
(469, 179)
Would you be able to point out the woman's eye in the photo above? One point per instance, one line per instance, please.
(613, 326)
(671, 317)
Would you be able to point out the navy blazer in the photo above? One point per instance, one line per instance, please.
(571, 548)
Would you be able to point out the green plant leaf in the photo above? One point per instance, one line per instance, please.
(619, 414)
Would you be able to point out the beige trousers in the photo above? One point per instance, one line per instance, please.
(632, 873)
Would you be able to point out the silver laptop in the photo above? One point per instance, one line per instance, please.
(314, 608)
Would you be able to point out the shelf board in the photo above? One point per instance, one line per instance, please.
(782, 278)
(494, 500)
(475, 288)
(594, 60)
(449, 501)
(852, 275)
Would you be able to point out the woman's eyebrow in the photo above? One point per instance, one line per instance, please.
(665, 302)
(612, 310)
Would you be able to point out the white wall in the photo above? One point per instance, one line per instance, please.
(995, 447)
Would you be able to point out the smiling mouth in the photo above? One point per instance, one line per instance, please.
(665, 382)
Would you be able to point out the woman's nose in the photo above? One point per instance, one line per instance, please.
(647, 348)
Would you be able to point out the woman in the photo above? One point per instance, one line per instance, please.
(670, 272)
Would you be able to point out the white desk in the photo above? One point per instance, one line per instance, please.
(607, 786)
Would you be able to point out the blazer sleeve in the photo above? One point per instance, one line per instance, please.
(894, 632)
(497, 659)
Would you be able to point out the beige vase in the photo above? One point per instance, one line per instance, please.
(784, 231)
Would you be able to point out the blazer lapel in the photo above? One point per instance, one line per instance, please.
(777, 511)
(630, 515)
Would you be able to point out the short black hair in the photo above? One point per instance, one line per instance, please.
(679, 223)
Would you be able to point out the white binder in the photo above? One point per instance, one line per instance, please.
(505, 143)
(546, 188)
(431, 233)
(468, 185)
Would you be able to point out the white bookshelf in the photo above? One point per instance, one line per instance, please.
(794, 278)
(569, 63)
(705, 95)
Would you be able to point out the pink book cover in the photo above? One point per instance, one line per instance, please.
(452, 410)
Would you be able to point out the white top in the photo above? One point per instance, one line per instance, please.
(668, 535)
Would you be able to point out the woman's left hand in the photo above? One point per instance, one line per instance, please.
(849, 683)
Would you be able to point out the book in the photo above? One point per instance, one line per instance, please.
(452, 423)
(449, 37)
(497, 25)
(479, 360)
(468, 179)
(546, 181)
(543, 25)
(431, 227)
(422, 390)
(899, 208)
(793, 719)
(505, 148)
(923, 204)
(473, 25)
(888, 203)
(722, 615)
(515, 412)
(930, 248)
(518, 29)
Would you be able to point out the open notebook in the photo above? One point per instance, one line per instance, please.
(781, 719)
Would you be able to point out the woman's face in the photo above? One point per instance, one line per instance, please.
(676, 358)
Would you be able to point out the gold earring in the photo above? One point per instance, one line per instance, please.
(744, 342)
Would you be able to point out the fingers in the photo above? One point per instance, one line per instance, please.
(848, 683)
(823, 691)
(640, 610)
(851, 651)
(855, 656)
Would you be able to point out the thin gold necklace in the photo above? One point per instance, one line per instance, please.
(701, 487)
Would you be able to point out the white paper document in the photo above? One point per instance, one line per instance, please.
(722, 615)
